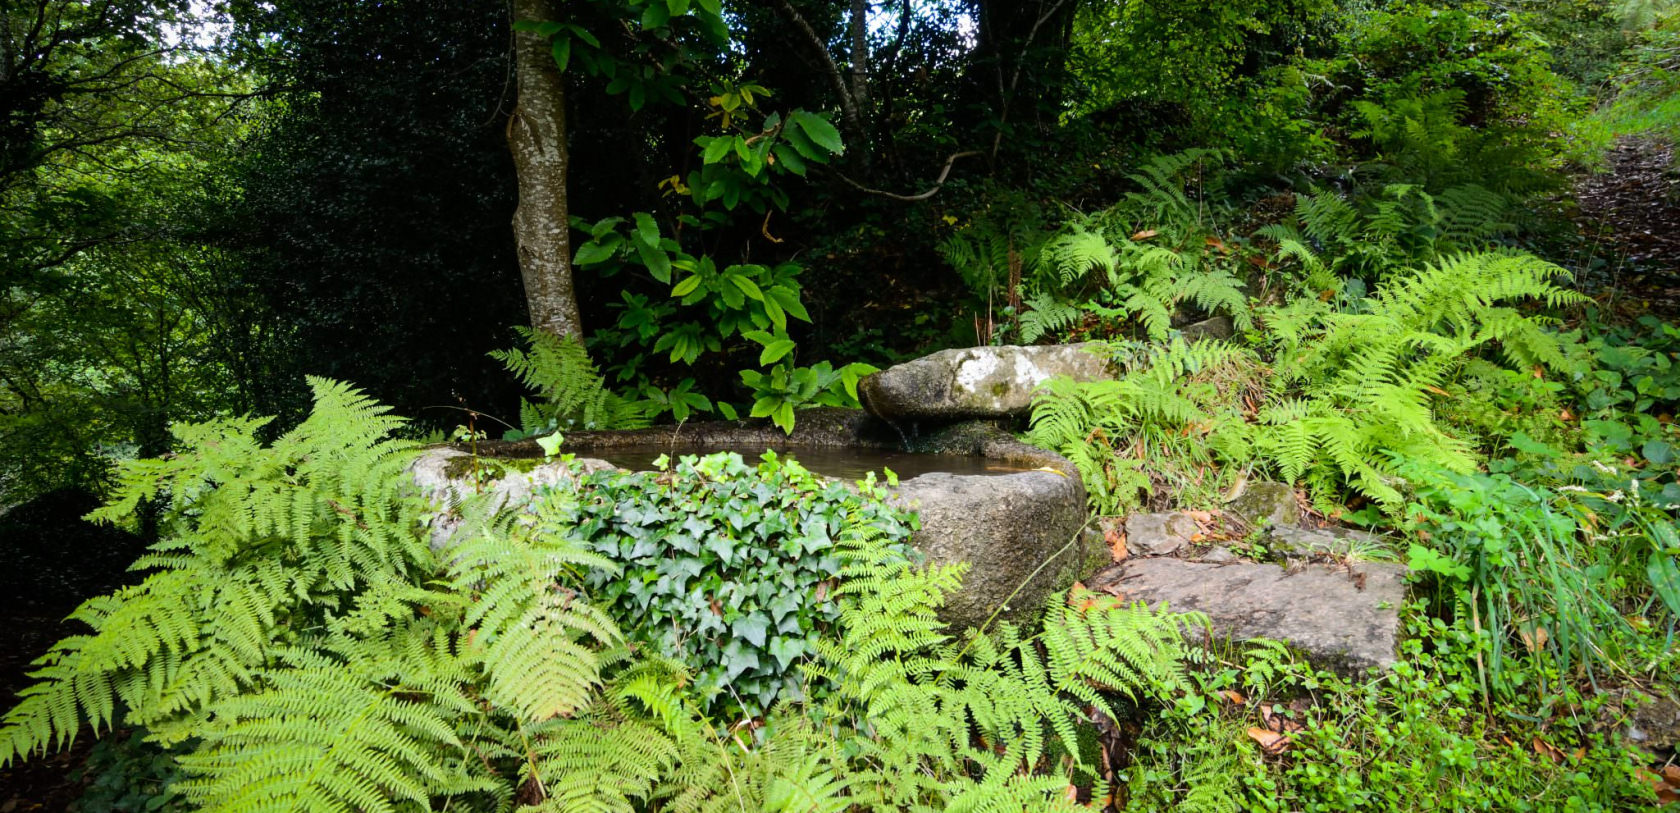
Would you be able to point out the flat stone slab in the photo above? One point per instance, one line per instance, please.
(976, 382)
(1342, 618)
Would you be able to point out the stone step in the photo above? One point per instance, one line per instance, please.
(1342, 617)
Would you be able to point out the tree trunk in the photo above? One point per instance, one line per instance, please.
(537, 136)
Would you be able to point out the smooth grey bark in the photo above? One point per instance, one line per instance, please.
(860, 53)
(536, 135)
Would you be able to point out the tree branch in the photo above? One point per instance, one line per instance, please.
(848, 105)
(938, 183)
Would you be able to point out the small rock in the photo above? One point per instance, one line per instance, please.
(1218, 555)
(1265, 504)
(1159, 534)
(976, 382)
(1342, 618)
(1218, 327)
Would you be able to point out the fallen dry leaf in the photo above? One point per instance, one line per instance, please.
(1270, 741)
(1145, 234)
(1116, 540)
(1278, 722)
(1534, 637)
(1544, 748)
(1234, 697)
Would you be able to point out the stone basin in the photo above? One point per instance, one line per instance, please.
(1018, 523)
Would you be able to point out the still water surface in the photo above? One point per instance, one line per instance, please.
(843, 462)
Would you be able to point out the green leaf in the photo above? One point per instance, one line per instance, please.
(727, 410)
(656, 16)
(751, 627)
(790, 159)
(1665, 579)
(595, 252)
(562, 51)
(647, 230)
(717, 149)
(687, 286)
(583, 34)
(784, 417)
(657, 262)
(788, 298)
(774, 351)
(1420, 559)
(677, 7)
(819, 130)
(712, 7)
(1658, 452)
(747, 286)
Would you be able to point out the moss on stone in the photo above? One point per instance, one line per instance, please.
(469, 467)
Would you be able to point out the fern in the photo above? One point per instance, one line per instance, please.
(1360, 380)
(1103, 426)
(253, 537)
(1045, 315)
(299, 633)
(571, 392)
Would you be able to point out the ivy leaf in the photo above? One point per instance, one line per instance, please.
(753, 627)
(786, 650)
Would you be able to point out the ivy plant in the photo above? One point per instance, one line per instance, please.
(727, 566)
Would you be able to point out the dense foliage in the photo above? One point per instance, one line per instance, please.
(1335, 243)
(301, 639)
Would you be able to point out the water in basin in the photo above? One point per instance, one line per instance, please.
(848, 463)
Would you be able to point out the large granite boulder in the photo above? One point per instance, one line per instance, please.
(977, 382)
(1343, 617)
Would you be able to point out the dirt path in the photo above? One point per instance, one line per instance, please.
(1630, 219)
